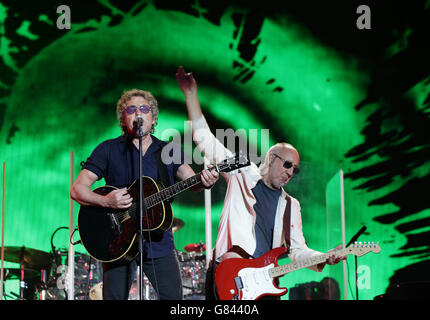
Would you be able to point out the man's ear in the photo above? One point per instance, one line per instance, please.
(273, 159)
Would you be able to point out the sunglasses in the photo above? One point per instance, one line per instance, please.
(288, 164)
(143, 108)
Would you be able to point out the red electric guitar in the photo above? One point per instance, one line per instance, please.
(250, 279)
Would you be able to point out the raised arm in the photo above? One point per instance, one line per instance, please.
(203, 137)
(188, 86)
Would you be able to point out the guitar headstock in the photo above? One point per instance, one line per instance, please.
(361, 248)
(236, 162)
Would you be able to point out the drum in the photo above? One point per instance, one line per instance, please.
(193, 273)
(87, 272)
(96, 292)
(87, 268)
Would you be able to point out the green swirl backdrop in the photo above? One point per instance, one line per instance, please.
(349, 99)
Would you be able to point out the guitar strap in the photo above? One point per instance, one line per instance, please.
(240, 251)
(287, 223)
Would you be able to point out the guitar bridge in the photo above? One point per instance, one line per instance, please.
(116, 225)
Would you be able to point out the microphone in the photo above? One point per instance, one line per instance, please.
(355, 237)
(138, 122)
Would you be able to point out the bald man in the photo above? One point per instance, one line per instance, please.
(252, 219)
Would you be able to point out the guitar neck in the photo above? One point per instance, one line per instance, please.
(186, 184)
(172, 191)
(287, 268)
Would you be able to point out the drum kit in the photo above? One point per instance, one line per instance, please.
(43, 275)
(193, 271)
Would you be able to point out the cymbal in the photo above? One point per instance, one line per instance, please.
(16, 272)
(29, 257)
(195, 247)
(177, 225)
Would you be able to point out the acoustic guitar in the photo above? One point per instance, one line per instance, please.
(110, 235)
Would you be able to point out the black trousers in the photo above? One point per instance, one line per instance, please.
(166, 280)
(210, 289)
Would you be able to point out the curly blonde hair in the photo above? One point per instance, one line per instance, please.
(122, 104)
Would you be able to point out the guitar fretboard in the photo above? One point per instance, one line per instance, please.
(281, 270)
(183, 185)
(171, 191)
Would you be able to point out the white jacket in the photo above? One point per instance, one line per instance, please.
(237, 220)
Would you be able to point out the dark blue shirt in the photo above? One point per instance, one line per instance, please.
(117, 161)
(265, 209)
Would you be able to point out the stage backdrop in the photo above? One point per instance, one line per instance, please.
(350, 91)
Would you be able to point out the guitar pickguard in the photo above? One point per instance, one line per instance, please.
(248, 279)
(256, 282)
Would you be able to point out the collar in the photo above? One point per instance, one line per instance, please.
(127, 143)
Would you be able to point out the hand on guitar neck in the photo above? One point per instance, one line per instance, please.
(208, 178)
(334, 259)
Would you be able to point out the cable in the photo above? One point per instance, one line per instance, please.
(57, 262)
(57, 257)
(71, 237)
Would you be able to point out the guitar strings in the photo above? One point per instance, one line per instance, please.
(167, 193)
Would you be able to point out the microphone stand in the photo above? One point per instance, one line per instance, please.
(353, 239)
(142, 209)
